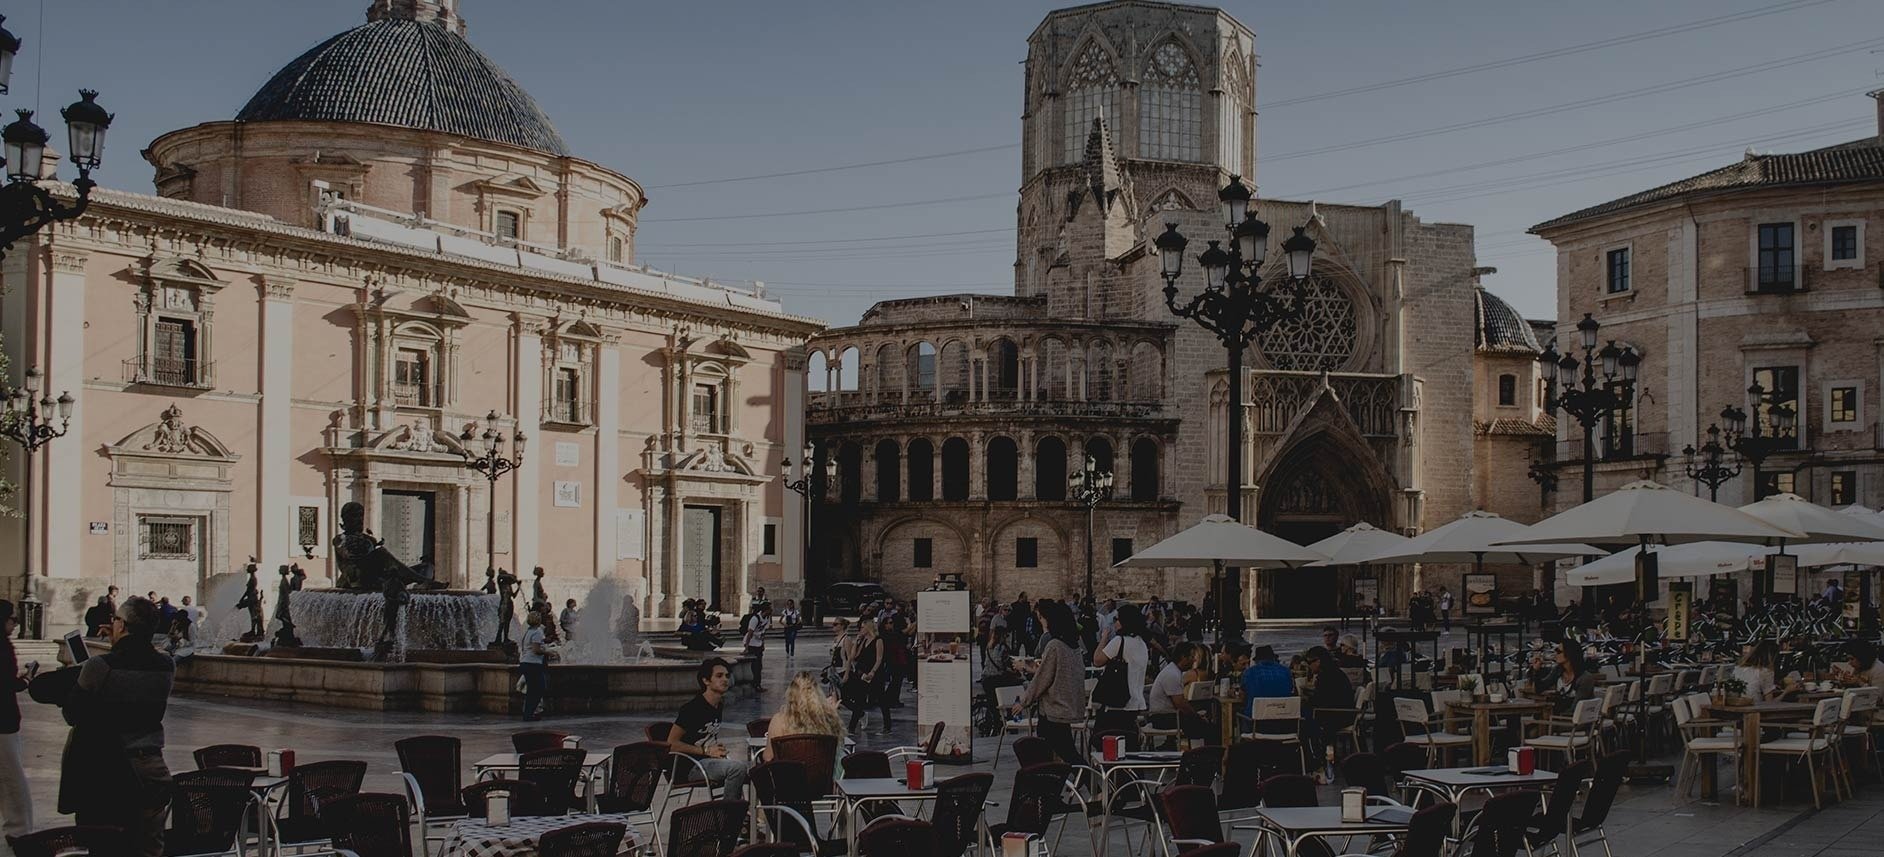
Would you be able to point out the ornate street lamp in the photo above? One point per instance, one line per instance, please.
(1751, 441)
(26, 417)
(484, 453)
(25, 205)
(1710, 464)
(1591, 390)
(812, 490)
(1089, 487)
(1238, 308)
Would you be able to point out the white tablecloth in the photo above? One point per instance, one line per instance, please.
(471, 837)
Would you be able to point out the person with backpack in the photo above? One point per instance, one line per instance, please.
(752, 630)
(1123, 661)
(791, 620)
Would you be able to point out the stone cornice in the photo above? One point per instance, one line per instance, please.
(276, 287)
(66, 261)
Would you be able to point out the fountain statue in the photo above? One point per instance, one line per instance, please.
(539, 596)
(291, 579)
(507, 588)
(366, 565)
(490, 582)
(252, 601)
(628, 627)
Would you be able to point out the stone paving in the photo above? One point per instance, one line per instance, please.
(1648, 820)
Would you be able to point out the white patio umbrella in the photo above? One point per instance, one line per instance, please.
(1796, 513)
(1858, 509)
(1478, 538)
(1840, 553)
(1217, 541)
(1648, 512)
(1355, 544)
(1695, 559)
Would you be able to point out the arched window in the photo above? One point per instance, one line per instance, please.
(1099, 369)
(921, 471)
(614, 249)
(919, 368)
(1101, 451)
(1092, 90)
(847, 366)
(818, 373)
(1508, 390)
(888, 383)
(1146, 373)
(1144, 469)
(850, 474)
(1053, 370)
(1003, 469)
(1050, 469)
(952, 372)
(955, 469)
(1170, 107)
(1003, 368)
(889, 471)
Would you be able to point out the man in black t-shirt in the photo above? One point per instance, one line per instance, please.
(696, 729)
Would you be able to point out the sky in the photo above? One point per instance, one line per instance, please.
(1492, 113)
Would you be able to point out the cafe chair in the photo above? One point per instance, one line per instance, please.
(784, 807)
(590, 839)
(369, 825)
(1033, 750)
(1498, 830)
(1221, 849)
(73, 841)
(1004, 699)
(429, 765)
(1426, 834)
(1338, 724)
(298, 822)
(1553, 823)
(1699, 739)
(539, 739)
(1818, 749)
(897, 837)
(525, 798)
(757, 728)
(1578, 739)
(558, 774)
(1242, 790)
(1189, 819)
(767, 849)
(706, 829)
(1862, 723)
(1366, 771)
(1040, 798)
(228, 756)
(1199, 766)
(206, 817)
(658, 730)
(1420, 730)
(634, 775)
(1610, 771)
(955, 819)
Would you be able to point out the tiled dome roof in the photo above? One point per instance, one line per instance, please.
(1500, 328)
(410, 73)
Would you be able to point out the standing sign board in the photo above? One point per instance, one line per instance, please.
(946, 692)
(1680, 601)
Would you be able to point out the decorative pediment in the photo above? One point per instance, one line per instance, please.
(436, 308)
(521, 187)
(728, 348)
(329, 158)
(581, 329)
(713, 458)
(418, 436)
(182, 270)
(172, 437)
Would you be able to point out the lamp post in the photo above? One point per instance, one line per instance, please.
(1089, 487)
(1591, 390)
(25, 205)
(811, 490)
(1753, 443)
(26, 417)
(490, 461)
(1238, 308)
(1709, 465)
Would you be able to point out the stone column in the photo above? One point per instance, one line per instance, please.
(607, 453)
(62, 461)
(935, 470)
(867, 471)
(525, 492)
(272, 441)
(1025, 469)
(977, 466)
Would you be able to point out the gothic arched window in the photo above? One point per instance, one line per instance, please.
(1171, 107)
(1092, 90)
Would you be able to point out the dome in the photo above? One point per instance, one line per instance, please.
(1500, 328)
(410, 71)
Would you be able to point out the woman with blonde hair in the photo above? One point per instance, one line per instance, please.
(807, 711)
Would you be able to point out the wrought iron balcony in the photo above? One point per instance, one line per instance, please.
(170, 372)
(429, 395)
(568, 411)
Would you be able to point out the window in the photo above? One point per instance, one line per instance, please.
(1781, 384)
(1619, 432)
(1121, 550)
(1775, 270)
(923, 553)
(508, 225)
(1619, 270)
(1170, 107)
(614, 249)
(1026, 552)
(1844, 485)
(1844, 243)
(1775, 483)
(566, 401)
(1092, 91)
(770, 540)
(706, 408)
(1842, 405)
(1508, 390)
(167, 538)
(410, 372)
(173, 357)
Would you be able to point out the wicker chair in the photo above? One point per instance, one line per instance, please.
(897, 837)
(1033, 750)
(593, 839)
(309, 786)
(767, 849)
(956, 815)
(94, 840)
(369, 825)
(557, 773)
(1498, 830)
(538, 739)
(818, 753)
(229, 756)
(1289, 790)
(1366, 771)
(866, 764)
(431, 768)
(785, 806)
(1190, 816)
(206, 816)
(1199, 766)
(1038, 800)
(525, 798)
(659, 731)
(707, 829)
(1554, 821)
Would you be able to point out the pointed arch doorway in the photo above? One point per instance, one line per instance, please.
(1317, 487)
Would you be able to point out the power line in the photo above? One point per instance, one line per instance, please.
(878, 206)
(816, 170)
(826, 240)
(1613, 41)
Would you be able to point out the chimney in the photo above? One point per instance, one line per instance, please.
(443, 13)
(1877, 95)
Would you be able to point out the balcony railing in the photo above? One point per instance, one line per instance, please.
(569, 412)
(822, 413)
(430, 395)
(170, 372)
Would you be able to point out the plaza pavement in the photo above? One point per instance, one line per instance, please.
(1647, 821)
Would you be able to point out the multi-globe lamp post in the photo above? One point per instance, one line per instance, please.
(26, 205)
(26, 418)
(1766, 434)
(484, 453)
(1237, 307)
(811, 490)
(1598, 387)
(1712, 463)
(1089, 487)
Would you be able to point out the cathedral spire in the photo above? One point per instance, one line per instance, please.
(444, 13)
(1104, 177)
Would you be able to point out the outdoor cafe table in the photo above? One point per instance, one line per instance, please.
(1484, 711)
(496, 762)
(471, 837)
(1749, 714)
(1454, 783)
(1131, 766)
(861, 791)
(1293, 825)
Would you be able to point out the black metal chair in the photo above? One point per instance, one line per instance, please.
(706, 829)
(591, 839)
(1498, 829)
(369, 825)
(557, 773)
(206, 815)
(92, 840)
(1366, 771)
(525, 798)
(1038, 800)
(1554, 821)
(228, 756)
(897, 837)
(309, 786)
(785, 806)
(1190, 816)
(1199, 766)
(431, 766)
(956, 816)
(1610, 771)
(1033, 750)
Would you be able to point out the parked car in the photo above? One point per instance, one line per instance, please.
(847, 597)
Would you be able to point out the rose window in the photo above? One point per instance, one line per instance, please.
(1321, 339)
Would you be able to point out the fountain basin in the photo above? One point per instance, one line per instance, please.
(435, 620)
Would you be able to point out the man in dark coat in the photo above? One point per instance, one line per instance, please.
(112, 772)
(98, 617)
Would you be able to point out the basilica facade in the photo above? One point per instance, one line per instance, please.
(952, 423)
(330, 297)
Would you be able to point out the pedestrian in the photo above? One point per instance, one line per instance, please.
(791, 620)
(864, 680)
(1128, 646)
(1059, 685)
(899, 665)
(166, 614)
(98, 617)
(112, 772)
(696, 729)
(16, 801)
(533, 663)
(570, 616)
(753, 629)
(1445, 608)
